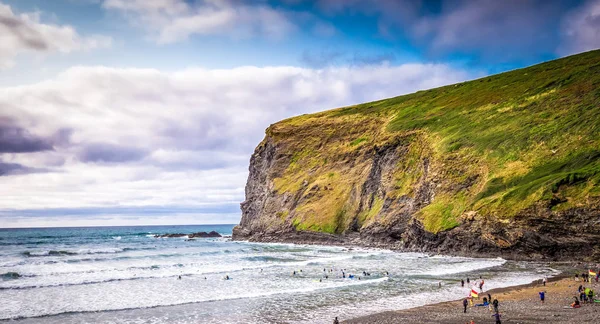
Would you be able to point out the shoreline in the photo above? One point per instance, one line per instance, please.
(518, 304)
(357, 241)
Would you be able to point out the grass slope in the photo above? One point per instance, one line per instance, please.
(524, 136)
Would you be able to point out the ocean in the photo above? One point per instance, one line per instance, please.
(126, 275)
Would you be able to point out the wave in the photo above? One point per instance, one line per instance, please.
(467, 266)
(268, 259)
(80, 252)
(316, 287)
(47, 253)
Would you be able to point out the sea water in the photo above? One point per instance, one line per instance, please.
(125, 274)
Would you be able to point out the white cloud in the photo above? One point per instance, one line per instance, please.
(581, 29)
(175, 20)
(143, 137)
(24, 32)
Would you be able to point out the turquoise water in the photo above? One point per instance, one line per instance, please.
(126, 275)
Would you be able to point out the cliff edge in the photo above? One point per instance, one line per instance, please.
(506, 165)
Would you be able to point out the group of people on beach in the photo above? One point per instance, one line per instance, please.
(586, 294)
(487, 301)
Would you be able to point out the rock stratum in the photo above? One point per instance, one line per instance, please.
(506, 165)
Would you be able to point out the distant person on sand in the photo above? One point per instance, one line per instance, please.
(495, 303)
(462, 283)
(465, 303)
(542, 296)
(575, 304)
(336, 321)
(468, 281)
(497, 317)
(544, 281)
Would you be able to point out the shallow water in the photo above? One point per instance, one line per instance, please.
(124, 274)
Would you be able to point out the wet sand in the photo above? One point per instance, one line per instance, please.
(519, 304)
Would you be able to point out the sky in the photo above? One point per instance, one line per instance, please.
(127, 112)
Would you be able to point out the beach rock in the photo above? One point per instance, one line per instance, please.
(205, 235)
(190, 236)
(170, 235)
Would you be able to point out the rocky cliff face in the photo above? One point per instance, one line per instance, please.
(440, 171)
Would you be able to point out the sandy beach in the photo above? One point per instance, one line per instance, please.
(519, 304)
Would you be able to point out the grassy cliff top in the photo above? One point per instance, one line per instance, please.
(525, 136)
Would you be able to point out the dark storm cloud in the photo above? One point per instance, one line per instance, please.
(111, 153)
(14, 139)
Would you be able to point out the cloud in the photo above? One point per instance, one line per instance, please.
(110, 153)
(322, 58)
(143, 137)
(385, 58)
(580, 29)
(14, 139)
(21, 33)
(489, 27)
(7, 169)
(171, 21)
(474, 29)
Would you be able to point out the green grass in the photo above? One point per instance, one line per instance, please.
(358, 141)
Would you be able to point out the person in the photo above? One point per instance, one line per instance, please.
(472, 321)
(490, 297)
(544, 281)
(591, 296)
(575, 304)
(580, 288)
(336, 321)
(542, 296)
(576, 277)
(465, 303)
(468, 281)
(226, 277)
(495, 303)
(481, 285)
(485, 302)
(439, 284)
(179, 278)
(462, 283)
(294, 273)
(497, 317)
(582, 296)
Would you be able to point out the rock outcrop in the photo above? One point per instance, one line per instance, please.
(507, 165)
(190, 236)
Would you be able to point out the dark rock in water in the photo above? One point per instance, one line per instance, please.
(190, 236)
(204, 234)
(10, 275)
(170, 235)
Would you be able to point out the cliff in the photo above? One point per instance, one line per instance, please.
(506, 165)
